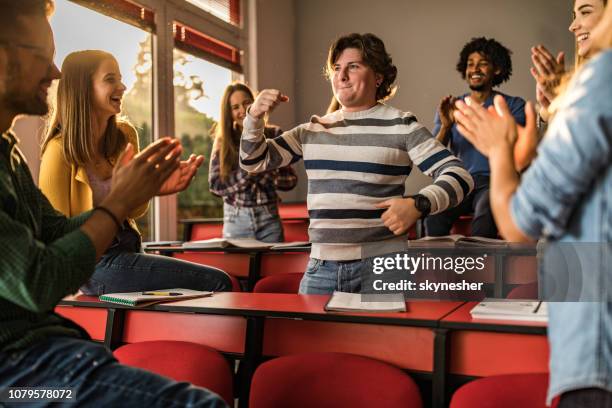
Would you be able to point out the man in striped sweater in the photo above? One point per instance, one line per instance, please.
(357, 160)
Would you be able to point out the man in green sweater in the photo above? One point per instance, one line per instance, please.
(45, 256)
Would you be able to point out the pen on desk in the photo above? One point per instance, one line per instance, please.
(153, 293)
(537, 307)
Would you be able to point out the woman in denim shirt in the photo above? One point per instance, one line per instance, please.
(565, 197)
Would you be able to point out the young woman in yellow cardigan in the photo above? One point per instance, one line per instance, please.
(84, 140)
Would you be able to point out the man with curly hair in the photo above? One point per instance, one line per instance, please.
(484, 64)
(357, 159)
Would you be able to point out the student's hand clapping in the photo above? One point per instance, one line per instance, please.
(445, 111)
(547, 71)
(400, 215)
(494, 129)
(266, 102)
(138, 177)
(180, 179)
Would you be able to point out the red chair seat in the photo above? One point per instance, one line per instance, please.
(280, 283)
(331, 380)
(503, 391)
(181, 361)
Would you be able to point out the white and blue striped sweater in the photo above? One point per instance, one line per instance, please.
(353, 161)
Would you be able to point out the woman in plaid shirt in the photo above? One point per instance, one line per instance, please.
(249, 200)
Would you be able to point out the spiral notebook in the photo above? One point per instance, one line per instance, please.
(151, 297)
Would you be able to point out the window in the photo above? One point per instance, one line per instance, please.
(198, 88)
(78, 28)
(226, 10)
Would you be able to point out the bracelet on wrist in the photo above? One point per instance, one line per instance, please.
(111, 215)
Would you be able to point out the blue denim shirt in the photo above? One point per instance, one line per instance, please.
(566, 196)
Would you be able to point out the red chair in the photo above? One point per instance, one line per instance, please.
(281, 283)
(503, 391)
(295, 230)
(331, 380)
(181, 361)
(463, 226)
(293, 210)
(525, 291)
(206, 231)
(235, 284)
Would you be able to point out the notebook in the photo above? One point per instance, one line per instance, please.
(353, 302)
(495, 309)
(456, 240)
(241, 243)
(151, 297)
(227, 243)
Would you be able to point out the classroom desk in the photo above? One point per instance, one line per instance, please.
(261, 324)
(242, 262)
(479, 348)
(501, 256)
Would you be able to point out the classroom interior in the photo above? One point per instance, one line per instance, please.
(262, 344)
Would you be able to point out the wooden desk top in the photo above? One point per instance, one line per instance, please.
(461, 319)
(308, 307)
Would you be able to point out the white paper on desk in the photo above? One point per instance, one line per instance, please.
(353, 302)
(524, 310)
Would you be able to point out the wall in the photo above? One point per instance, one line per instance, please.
(29, 130)
(274, 30)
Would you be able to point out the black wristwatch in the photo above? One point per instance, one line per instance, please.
(422, 204)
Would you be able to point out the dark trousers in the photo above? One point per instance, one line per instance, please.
(477, 202)
(586, 398)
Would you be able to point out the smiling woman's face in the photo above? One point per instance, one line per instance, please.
(587, 14)
(107, 88)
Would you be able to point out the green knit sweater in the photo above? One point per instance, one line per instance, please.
(44, 256)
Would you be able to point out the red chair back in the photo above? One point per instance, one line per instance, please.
(281, 283)
(503, 391)
(331, 380)
(181, 361)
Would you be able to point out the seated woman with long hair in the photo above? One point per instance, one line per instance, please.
(250, 201)
(82, 144)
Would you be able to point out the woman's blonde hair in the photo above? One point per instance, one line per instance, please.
(225, 145)
(579, 60)
(72, 116)
(602, 34)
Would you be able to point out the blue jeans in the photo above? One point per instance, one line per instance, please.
(476, 203)
(135, 272)
(262, 223)
(323, 277)
(96, 378)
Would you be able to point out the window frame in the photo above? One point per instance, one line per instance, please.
(165, 13)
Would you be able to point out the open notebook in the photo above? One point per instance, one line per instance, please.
(456, 240)
(525, 310)
(240, 243)
(151, 297)
(353, 302)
